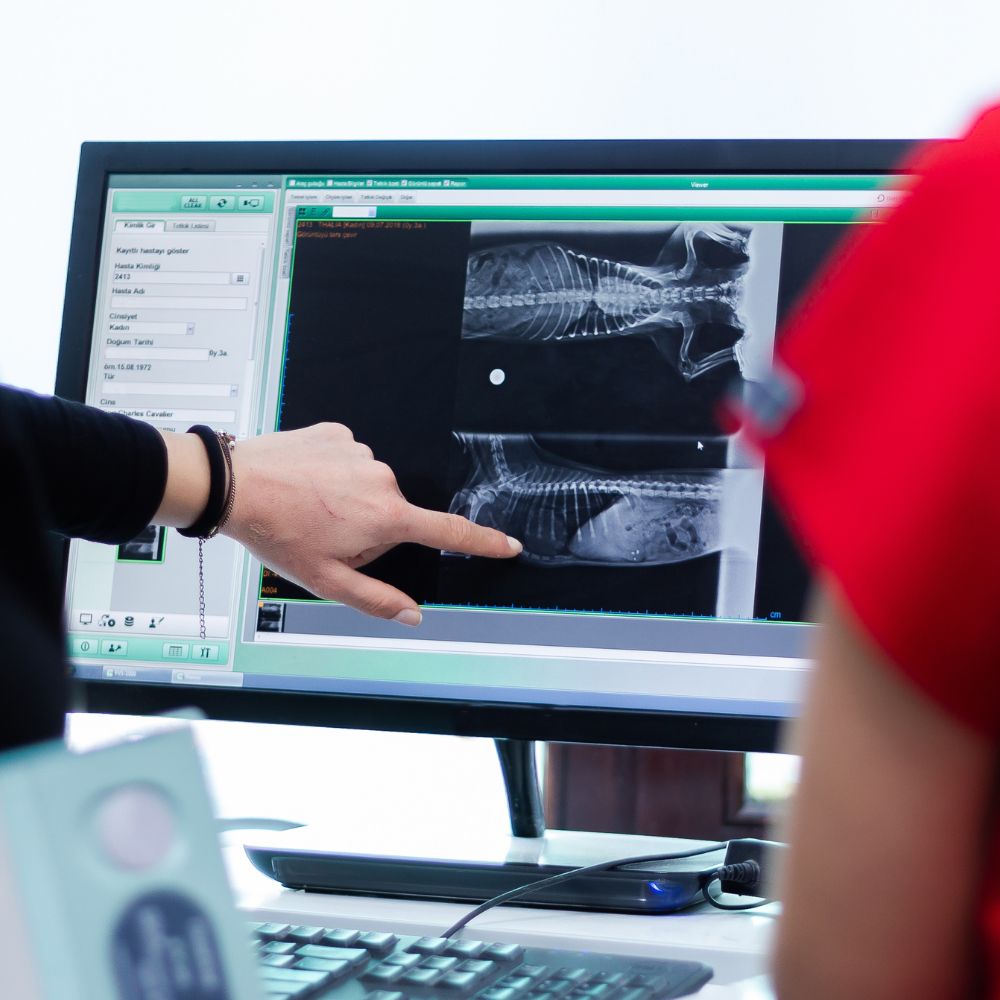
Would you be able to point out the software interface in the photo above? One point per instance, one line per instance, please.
(542, 354)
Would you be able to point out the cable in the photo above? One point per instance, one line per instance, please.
(524, 890)
(743, 873)
(714, 900)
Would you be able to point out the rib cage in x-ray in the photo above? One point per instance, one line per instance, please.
(568, 513)
(540, 292)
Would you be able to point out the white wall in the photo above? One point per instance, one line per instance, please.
(72, 70)
(327, 69)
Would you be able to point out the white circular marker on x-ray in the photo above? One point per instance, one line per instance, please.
(498, 376)
(136, 826)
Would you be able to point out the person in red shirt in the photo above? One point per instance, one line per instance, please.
(887, 465)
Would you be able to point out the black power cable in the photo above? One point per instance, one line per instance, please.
(743, 873)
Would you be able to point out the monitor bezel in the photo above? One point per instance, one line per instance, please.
(551, 723)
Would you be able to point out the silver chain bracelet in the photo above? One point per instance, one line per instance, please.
(228, 444)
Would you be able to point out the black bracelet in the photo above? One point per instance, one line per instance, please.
(219, 485)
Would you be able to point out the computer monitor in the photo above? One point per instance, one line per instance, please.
(532, 334)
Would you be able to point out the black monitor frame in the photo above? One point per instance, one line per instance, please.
(551, 723)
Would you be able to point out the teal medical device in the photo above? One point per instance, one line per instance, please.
(111, 881)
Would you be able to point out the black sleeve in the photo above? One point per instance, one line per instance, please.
(32, 660)
(101, 475)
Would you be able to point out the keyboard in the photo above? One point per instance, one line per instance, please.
(303, 963)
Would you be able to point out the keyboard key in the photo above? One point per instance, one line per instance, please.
(356, 956)
(421, 977)
(555, 987)
(465, 949)
(273, 932)
(534, 971)
(656, 984)
(385, 995)
(341, 939)
(443, 963)
(575, 976)
(504, 952)
(479, 966)
(305, 935)
(599, 991)
(429, 945)
(336, 967)
(636, 993)
(407, 959)
(517, 983)
(383, 975)
(278, 947)
(277, 961)
(614, 978)
(499, 993)
(459, 982)
(377, 942)
(297, 976)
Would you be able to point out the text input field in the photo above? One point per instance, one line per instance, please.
(164, 277)
(165, 301)
(184, 416)
(116, 388)
(151, 329)
(157, 354)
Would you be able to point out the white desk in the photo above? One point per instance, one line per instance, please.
(734, 944)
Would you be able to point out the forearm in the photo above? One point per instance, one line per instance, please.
(100, 475)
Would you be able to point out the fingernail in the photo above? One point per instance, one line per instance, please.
(515, 544)
(409, 616)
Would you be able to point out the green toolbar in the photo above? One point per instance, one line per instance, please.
(190, 202)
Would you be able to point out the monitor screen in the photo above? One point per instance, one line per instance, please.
(541, 351)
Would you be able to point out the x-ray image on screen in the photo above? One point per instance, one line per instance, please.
(521, 287)
(567, 512)
(593, 358)
(661, 523)
(612, 327)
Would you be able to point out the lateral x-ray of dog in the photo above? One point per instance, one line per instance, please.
(565, 512)
(544, 291)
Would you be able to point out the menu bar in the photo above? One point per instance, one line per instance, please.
(668, 182)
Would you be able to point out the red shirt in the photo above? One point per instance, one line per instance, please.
(888, 468)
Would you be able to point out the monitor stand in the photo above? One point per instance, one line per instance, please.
(520, 780)
(407, 862)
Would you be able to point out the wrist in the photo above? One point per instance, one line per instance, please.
(188, 478)
(218, 447)
(243, 523)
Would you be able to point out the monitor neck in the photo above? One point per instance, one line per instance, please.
(520, 778)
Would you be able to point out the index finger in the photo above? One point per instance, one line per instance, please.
(458, 534)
